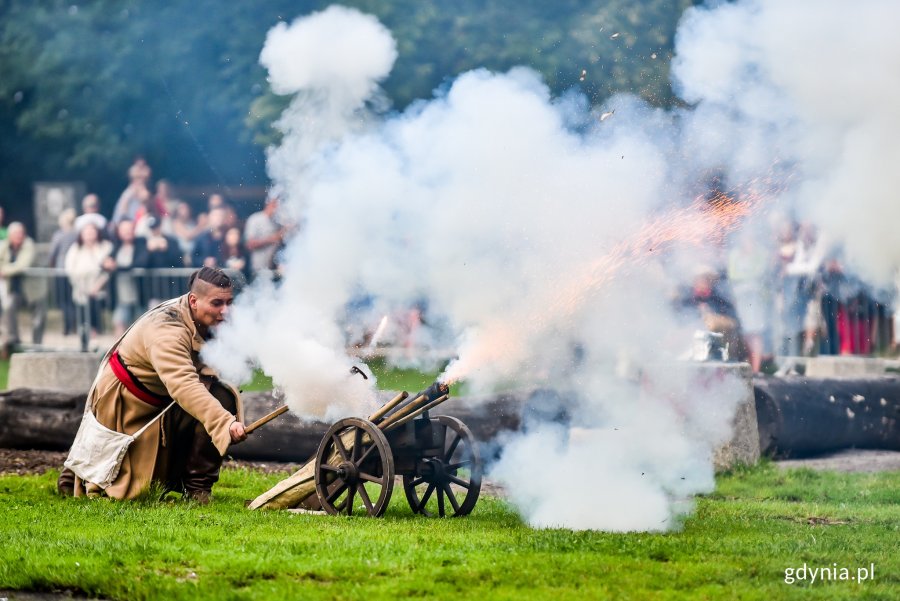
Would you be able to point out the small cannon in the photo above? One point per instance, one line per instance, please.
(437, 457)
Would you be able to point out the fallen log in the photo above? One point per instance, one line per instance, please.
(48, 420)
(799, 416)
(39, 419)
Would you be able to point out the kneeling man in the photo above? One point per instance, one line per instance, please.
(155, 362)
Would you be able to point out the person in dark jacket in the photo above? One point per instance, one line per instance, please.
(160, 252)
(708, 297)
(208, 245)
(126, 255)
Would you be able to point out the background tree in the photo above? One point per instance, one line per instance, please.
(86, 87)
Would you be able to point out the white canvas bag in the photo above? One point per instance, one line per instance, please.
(97, 453)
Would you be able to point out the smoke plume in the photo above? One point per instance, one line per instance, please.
(547, 237)
(811, 84)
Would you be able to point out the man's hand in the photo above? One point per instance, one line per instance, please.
(237, 432)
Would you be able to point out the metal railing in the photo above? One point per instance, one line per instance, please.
(44, 298)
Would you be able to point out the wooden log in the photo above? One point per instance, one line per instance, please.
(800, 416)
(40, 419)
(46, 419)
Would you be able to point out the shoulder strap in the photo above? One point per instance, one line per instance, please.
(106, 356)
(151, 422)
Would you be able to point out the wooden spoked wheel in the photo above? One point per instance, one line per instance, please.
(450, 482)
(354, 468)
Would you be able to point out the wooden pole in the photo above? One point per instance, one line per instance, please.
(265, 419)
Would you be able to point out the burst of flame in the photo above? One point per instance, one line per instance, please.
(378, 332)
(705, 221)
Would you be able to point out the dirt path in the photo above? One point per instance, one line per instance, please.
(850, 460)
(14, 461)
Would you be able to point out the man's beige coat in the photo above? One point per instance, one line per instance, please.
(162, 350)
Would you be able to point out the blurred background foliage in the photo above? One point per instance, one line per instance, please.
(86, 87)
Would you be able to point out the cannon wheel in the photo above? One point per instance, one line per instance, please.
(353, 454)
(456, 491)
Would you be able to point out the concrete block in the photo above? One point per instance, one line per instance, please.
(743, 447)
(833, 366)
(60, 370)
(744, 444)
(689, 381)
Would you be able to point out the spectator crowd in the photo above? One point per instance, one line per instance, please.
(97, 257)
(782, 290)
(778, 290)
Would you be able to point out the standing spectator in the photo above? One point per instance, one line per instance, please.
(216, 201)
(136, 194)
(144, 212)
(749, 271)
(17, 255)
(160, 252)
(185, 229)
(139, 170)
(163, 203)
(231, 217)
(127, 249)
(208, 245)
(802, 292)
(90, 213)
(855, 318)
(234, 255)
(707, 298)
(834, 285)
(263, 235)
(60, 243)
(84, 267)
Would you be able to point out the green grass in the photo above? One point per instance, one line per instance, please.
(389, 378)
(4, 373)
(758, 522)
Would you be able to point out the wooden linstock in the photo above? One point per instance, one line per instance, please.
(265, 419)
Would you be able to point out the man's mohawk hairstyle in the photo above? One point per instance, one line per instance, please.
(211, 275)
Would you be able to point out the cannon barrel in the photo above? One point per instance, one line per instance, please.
(434, 391)
(426, 398)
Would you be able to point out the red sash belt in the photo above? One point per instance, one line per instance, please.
(134, 385)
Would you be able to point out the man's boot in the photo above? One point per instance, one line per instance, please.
(65, 484)
(201, 469)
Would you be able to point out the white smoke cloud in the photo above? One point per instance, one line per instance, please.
(634, 455)
(547, 239)
(812, 84)
(331, 61)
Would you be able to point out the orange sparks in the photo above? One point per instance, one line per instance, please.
(706, 221)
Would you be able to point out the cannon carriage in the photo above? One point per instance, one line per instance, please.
(358, 461)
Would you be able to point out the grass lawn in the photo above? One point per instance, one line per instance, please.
(737, 545)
